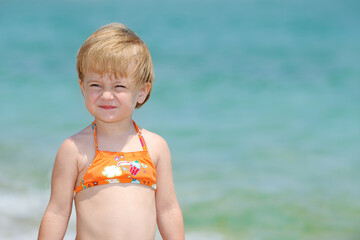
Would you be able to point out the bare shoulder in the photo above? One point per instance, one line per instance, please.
(157, 145)
(153, 137)
(66, 168)
(82, 139)
(75, 146)
(67, 149)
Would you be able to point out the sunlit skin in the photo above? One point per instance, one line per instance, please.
(112, 211)
(111, 99)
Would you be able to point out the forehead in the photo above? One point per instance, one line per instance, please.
(93, 76)
(115, 63)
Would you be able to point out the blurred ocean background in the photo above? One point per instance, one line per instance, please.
(259, 102)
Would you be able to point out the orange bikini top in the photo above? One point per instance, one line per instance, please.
(119, 167)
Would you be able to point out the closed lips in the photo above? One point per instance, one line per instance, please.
(107, 106)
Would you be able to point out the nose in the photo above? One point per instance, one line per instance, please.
(107, 95)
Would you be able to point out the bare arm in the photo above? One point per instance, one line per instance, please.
(169, 216)
(57, 214)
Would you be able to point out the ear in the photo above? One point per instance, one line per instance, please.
(143, 92)
(82, 87)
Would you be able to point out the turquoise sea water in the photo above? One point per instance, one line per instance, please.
(258, 100)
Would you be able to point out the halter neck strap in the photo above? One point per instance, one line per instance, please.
(141, 138)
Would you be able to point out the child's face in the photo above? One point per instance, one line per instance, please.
(111, 99)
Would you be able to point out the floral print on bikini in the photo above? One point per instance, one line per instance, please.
(119, 167)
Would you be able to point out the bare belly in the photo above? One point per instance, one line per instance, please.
(116, 211)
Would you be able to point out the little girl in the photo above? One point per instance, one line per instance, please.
(120, 173)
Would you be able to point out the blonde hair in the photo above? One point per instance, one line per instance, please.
(116, 50)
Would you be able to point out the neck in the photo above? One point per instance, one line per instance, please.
(115, 129)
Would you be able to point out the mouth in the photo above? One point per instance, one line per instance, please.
(107, 107)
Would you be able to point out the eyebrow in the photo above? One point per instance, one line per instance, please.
(92, 80)
(121, 82)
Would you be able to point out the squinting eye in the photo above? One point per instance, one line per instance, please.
(119, 86)
(94, 85)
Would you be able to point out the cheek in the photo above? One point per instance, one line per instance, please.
(136, 99)
(90, 99)
(130, 101)
(90, 95)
